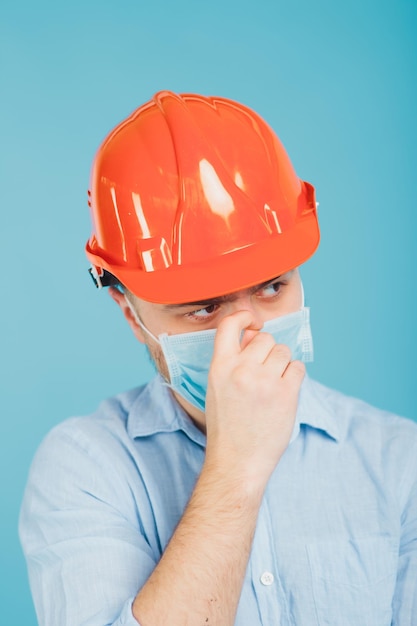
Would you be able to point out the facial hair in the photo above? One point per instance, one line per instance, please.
(156, 356)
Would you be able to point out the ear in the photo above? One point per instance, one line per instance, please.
(120, 299)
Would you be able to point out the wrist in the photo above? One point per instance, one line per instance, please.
(231, 476)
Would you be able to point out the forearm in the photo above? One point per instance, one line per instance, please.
(200, 575)
(251, 404)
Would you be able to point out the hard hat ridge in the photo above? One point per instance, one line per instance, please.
(209, 194)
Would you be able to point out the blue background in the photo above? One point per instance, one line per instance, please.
(336, 80)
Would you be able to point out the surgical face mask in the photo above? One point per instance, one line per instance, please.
(188, 355)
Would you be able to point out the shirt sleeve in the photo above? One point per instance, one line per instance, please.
(405, 598)
(81, 531)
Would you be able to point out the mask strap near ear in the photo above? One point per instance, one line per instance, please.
(302, 294)
(139, 321)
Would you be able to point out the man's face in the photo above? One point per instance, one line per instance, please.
(266, 301)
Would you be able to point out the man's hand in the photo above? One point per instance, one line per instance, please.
(250, 411)
(251, 400)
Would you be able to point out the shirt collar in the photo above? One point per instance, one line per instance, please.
(315, 409)
(155, 410)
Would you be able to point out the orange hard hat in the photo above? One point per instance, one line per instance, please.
(195, 197)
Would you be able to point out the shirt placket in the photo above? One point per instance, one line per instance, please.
(270, 597)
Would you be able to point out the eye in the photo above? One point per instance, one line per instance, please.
(203, 313)
(270, 291)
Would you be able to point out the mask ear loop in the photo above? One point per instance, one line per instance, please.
(302, 295)
(148, 332)
(139, 321)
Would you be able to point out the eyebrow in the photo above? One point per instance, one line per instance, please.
(221, 299)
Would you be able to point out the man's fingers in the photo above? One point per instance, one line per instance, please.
(295, 372)
(229, 333)
(257, 350)
(247, 336)
(279, 358)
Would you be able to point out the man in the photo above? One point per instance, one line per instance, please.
(232, 489)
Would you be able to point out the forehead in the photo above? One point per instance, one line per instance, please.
(229, 297)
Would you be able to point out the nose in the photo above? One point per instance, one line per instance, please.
(246, 303)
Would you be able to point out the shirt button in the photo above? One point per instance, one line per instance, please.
(267, 578)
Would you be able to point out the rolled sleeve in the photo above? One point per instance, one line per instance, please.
(126, 617)
(81, 533)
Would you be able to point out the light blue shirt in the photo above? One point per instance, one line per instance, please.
(336, 539)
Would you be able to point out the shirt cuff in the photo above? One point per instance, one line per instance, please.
(126, 616)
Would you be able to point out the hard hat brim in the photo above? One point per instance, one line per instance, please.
(226, 274)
